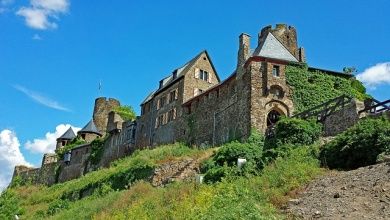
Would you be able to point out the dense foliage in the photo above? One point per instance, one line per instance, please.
(224, 162)
(97, 150)
(311, 88)
(126, 112)
(359, 146)
(295, 131)
(9, 205)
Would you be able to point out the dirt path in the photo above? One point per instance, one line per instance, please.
(363, 193)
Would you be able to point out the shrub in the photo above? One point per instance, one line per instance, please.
(57, 206)
(359, 146)
(295, 131)
(9, 205)
(223, 163)
(126, 112)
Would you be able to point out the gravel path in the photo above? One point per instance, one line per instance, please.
(363, 193)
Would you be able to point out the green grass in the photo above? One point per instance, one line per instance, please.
(258, 197)
(119, 176)
(238, 198)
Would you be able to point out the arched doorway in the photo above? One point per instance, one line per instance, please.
(273, 117)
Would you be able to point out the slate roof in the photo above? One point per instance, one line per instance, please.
(68, 135)
(90, 128)
(273, 48)
(179, 72)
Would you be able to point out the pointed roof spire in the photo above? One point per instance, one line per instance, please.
(90, 128)
(68, 135)
(273, 48)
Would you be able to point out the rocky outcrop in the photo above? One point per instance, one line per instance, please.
(183, 170)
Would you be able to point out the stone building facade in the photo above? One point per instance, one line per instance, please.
(162, 109)
(193, 105)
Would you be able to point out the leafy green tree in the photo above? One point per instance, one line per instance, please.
(126, 112)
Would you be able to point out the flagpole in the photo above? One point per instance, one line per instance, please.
(100, 88)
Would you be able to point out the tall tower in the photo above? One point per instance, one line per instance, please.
(103, 106)
(287, 35)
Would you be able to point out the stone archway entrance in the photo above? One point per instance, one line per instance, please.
(273, 117)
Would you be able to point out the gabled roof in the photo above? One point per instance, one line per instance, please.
(273, 48)
(68, 135)
(179, 72)
(90, 128)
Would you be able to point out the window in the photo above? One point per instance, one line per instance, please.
(202, 74)
(275, 71)
(161, 102)
(173, 95)
(276, 92)
(172, 115)
(159, 120)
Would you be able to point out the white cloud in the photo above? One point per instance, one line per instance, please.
(375, 75)
(41, 99)
(48, 143)
(37, 37)
(10, 156)
(40, 13)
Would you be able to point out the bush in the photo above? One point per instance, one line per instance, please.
(57, 206)
(359, 146)
(224, 162)
(9, 205)
(126, 112)
(295, 131)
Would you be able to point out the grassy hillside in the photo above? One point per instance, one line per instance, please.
(123, 192)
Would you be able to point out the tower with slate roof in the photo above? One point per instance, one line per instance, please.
(64, 139)
(89, 132)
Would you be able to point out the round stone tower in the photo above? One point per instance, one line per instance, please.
(103, 106)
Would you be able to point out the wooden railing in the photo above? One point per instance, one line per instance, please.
(377, 107)
(320, 112)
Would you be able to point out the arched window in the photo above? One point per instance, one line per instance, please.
(276, 92)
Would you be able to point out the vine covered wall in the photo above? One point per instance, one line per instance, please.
(311, 88)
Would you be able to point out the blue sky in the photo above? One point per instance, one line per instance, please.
(53, 53)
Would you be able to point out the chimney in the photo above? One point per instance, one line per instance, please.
(302, 57)
(244, 49)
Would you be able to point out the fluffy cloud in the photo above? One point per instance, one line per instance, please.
(375, 75)
(10, 156)
(40, 13)
(48, 143)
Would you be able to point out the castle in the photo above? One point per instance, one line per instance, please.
(192, 104)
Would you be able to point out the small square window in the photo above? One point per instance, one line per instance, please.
(276, 71)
